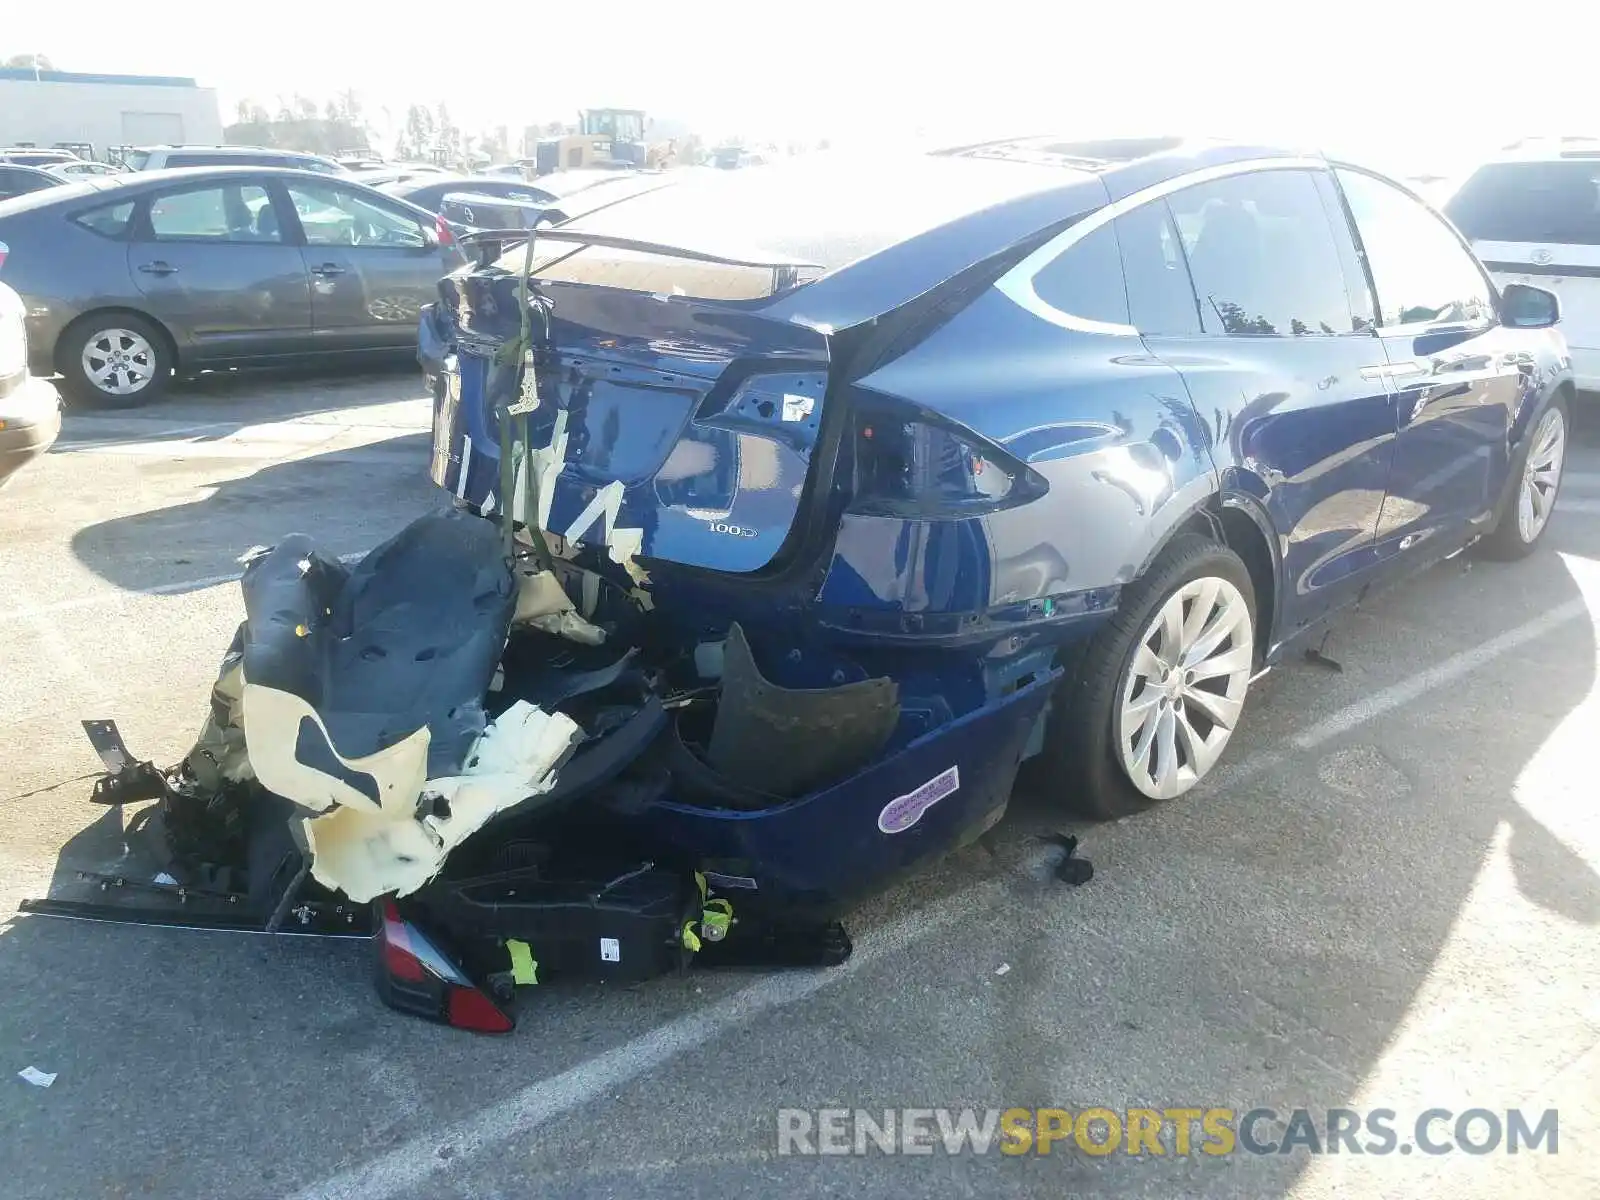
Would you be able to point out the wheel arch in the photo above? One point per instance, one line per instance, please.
(1239, 522)
(70, 330)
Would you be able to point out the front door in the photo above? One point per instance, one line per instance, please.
(214, 266)
(1456, 373)
(372, 266)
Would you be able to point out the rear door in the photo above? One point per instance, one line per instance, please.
(1539, 223)
(1457, 375)
(212, 262)
(1281, 364)
(373, 265)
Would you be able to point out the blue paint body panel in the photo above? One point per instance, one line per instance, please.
(903, 469)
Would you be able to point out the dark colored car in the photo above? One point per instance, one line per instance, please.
(30, 410)
(131, 277)
(429, 191)
(162, 158)
(566, 194)
(1149, 414)
(18, 180)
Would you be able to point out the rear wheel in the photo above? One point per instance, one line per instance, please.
(1159, 691)
(1538, 481)
(118, 360)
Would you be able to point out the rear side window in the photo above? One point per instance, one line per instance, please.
(1161, 299)
(1263, 257)
(1085, 279)
(109, 220)
(1421, 272)
(1530, 202)
(222, 213)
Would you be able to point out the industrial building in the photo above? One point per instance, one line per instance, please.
(46, 108)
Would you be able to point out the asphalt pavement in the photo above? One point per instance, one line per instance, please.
(1389, 898)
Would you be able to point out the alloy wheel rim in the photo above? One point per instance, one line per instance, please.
(1185, 687)
(1541, 475)
(119, 362)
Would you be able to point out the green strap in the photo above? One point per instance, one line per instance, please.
(524, 970)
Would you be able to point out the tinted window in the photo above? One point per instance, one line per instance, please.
(1086, 279)
(336, 216)
(20, 182)
(1161, 299)
(1530, 202)
(111, 220)
(1419, 268)
(221, 213)
(1262, 256)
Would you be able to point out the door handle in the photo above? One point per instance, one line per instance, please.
(159, 268)
(327, 270)
(1399, 370)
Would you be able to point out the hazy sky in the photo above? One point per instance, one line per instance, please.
(1400, 84)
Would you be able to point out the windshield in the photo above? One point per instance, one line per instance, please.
(1530, 202)
(135, 160)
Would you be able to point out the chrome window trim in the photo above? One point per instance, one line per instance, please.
(1017, 284)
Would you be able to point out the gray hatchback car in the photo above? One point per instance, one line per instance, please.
(130, 278)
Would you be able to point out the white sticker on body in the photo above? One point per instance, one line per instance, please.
(610, 950)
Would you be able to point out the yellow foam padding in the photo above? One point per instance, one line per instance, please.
(271, 720)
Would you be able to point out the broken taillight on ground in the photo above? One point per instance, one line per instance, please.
(416, 976)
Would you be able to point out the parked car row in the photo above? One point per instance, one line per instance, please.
(130, 277)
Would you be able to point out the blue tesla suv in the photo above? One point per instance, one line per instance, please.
(1068, 440)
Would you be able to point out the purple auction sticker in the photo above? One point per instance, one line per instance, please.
(901, 813)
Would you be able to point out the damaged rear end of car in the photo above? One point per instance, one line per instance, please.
(708, 645)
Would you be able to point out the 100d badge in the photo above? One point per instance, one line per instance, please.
(731, 530)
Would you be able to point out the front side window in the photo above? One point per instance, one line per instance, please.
(1085, 279)
(1263, 257)
(1420, 270)
(234, 212)
(335, 216)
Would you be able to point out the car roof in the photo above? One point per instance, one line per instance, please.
(137, 183)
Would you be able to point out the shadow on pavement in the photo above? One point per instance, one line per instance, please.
(215, 404)
(352, 498)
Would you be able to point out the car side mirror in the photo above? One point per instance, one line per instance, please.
(1523, 306)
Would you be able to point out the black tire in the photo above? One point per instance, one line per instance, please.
(1506, 543)
(81, 388)
(1079, 764)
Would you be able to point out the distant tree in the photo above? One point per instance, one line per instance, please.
(28, 62)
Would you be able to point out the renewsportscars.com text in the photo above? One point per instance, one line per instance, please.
(1154, 1132)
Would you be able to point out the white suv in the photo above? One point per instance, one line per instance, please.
(1533, 216)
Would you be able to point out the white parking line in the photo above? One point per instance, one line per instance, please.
(416, 1161)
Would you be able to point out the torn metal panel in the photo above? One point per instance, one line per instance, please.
(787, 741)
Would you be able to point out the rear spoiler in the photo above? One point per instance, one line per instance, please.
(499, 237)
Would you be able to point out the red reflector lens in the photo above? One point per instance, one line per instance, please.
(468, 1008)
(397, 957)
(442, 227)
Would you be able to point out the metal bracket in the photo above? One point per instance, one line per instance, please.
(127, 781)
